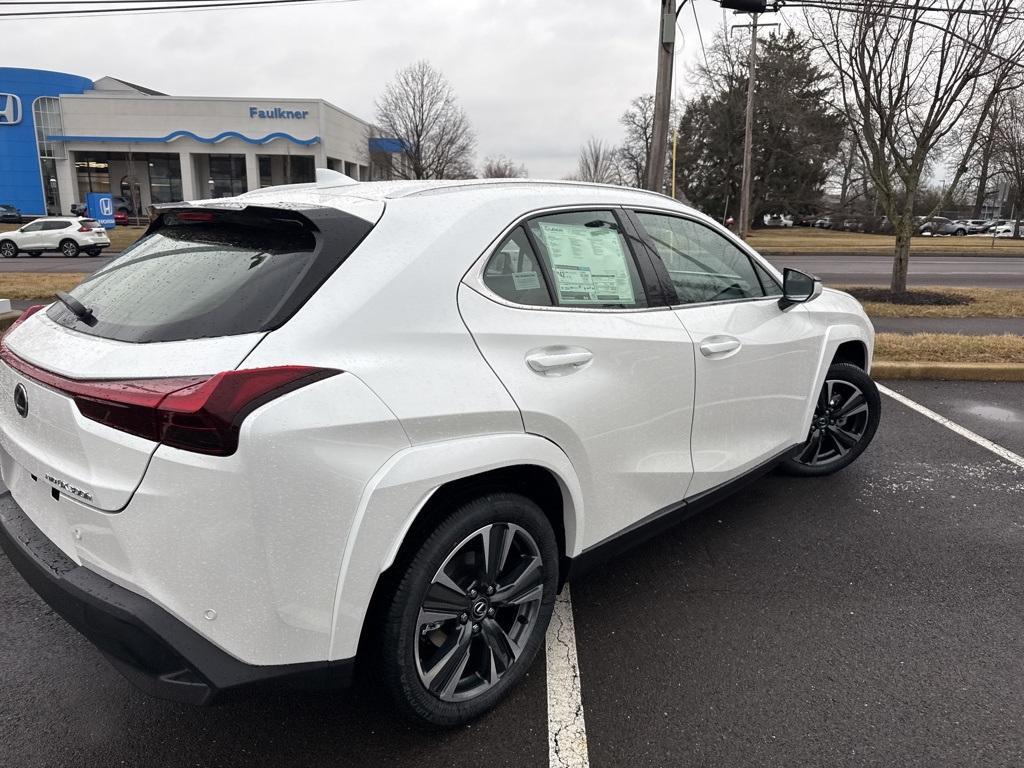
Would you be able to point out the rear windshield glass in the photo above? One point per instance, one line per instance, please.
(91, 223)
(231, 274)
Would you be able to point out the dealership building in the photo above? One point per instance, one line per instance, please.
(63, 136)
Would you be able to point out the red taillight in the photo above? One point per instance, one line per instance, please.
(84, 228)
(195, 413)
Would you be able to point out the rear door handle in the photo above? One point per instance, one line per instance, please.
(558, 359)
(717, 346)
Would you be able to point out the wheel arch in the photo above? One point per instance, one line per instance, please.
(854, 351)
(420, 484)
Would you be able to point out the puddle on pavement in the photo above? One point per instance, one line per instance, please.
(993, 413)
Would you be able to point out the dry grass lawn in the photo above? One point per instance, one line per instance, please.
(797, 240)
(37, 285)
(983, 302)
(120, 237)
(949, 348)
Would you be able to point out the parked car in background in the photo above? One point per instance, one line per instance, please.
(1004, 230)
(777, 220)
(992, 224)
(804, 220)
(9, 214)
(69, 235)
(974, 226)
(232, 459)
(121, 218)
(939, 225)
(825, 222)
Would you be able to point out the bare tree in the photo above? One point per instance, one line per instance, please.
(635, 150)
(419, 107)
(598, 163)
(911, 75)
(1008, 152)
(501, 167)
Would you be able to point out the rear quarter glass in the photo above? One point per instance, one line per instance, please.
(204, 273)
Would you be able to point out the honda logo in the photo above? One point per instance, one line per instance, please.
(10, 109)
(106, 207)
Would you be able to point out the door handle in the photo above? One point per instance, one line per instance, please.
(716, 346)
(550, 359)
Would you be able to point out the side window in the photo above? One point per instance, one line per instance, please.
(702, 265)
(771, 288)
(514, 273)
(35, 226)
(51, 225)
(588, 259)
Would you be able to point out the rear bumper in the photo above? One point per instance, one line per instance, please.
(152, 649)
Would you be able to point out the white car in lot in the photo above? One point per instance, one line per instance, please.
(68, 235)
(385, 422)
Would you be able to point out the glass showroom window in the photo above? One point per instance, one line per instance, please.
(164, 179)
(46, 116)
(227, 175)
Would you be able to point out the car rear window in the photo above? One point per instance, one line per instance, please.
(91, 224)
(198, 274)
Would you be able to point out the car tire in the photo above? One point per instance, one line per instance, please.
(69, 249)
(445, 671)
(960, 232)
(845, 420)
(94, 252)
(8, 249)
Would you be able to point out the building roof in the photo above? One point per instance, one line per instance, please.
(110, 83)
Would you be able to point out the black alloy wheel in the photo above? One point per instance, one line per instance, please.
(845, 419)
(470, 611)
(69, 249)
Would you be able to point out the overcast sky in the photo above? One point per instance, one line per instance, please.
(536, 77)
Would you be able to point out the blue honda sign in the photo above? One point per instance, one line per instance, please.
(100, 206)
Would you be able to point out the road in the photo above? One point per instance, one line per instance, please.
(953, 271)
(872, 618)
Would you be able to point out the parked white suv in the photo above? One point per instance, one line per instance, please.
(389, 420)
(68, 235)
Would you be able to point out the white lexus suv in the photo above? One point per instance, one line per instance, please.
(385, 422)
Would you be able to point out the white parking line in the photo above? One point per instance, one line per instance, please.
(567, 731)
(988, 445)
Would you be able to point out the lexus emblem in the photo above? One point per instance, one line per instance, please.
(21, 400)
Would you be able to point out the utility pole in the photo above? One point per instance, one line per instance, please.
(662, 96)
(748, 133)
(748, 127)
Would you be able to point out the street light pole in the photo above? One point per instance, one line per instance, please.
(662, 97)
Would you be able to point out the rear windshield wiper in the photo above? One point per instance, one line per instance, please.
(77, 308)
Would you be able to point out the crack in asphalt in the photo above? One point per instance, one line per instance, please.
(567, 735)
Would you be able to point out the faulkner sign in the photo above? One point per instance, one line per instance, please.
(276, 113)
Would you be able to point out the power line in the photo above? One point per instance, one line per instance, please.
(699, 35)
(183, 6)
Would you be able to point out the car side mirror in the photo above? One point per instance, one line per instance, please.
(798, 288)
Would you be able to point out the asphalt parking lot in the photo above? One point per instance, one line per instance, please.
(872, 618)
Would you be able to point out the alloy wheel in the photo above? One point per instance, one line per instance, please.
(840, 420)
(479, 611)
(69, 249)
(7, 250)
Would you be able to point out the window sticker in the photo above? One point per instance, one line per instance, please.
(589, 263)
(525, 281)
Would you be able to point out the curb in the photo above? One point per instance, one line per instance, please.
(894, 369)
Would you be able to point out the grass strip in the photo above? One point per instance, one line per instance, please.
(949, 348)
(37, 285)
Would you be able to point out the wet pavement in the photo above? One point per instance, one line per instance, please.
(969, 326)
(873, 618)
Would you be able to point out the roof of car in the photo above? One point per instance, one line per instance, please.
(391, 190)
